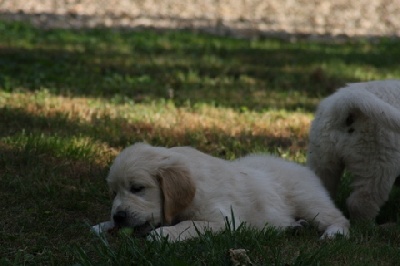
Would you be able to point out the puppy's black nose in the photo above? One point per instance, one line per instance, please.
(119, 217)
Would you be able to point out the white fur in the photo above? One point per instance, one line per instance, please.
(257, 189)
(358, 128)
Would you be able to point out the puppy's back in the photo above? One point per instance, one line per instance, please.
(289, 174)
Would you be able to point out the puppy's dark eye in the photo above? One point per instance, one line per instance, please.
(136, 189)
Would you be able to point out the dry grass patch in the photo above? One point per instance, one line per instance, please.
(162, 115)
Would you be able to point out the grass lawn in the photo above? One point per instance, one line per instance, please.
(71, 100)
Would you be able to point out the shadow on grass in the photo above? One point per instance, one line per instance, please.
(46, 203)
(186, 67)
(244, 82)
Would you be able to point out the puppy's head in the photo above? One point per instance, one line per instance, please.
(152, 186)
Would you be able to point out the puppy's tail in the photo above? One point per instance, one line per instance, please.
(356, 97)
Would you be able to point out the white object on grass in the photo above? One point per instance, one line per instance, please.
(102, 227)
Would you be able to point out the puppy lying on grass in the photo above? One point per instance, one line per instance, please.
(358, 128)
(180, 192)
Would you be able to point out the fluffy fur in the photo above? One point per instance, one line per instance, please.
(358, 128)
(180, 192)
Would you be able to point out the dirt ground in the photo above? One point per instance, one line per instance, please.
(239, 18)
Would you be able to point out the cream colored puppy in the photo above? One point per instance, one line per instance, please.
(180, 192)
(358, 128)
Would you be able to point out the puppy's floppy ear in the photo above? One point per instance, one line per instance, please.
(177, 187)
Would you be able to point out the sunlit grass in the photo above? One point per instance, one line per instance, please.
(161, 114)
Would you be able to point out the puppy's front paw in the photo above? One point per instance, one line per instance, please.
(160, 233)
(171, 233)
(154, 235)
(102, 227)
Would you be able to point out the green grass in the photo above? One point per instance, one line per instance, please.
(71, 100)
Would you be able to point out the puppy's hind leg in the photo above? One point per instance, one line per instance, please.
(331, 221)
(316, 206)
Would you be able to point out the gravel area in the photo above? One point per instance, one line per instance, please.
(239, 18)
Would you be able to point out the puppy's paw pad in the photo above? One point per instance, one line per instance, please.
(299, 224)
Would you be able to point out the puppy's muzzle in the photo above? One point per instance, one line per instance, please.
(120, 218)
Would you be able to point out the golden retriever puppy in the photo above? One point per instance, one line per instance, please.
(358, 128)
(180, 192)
